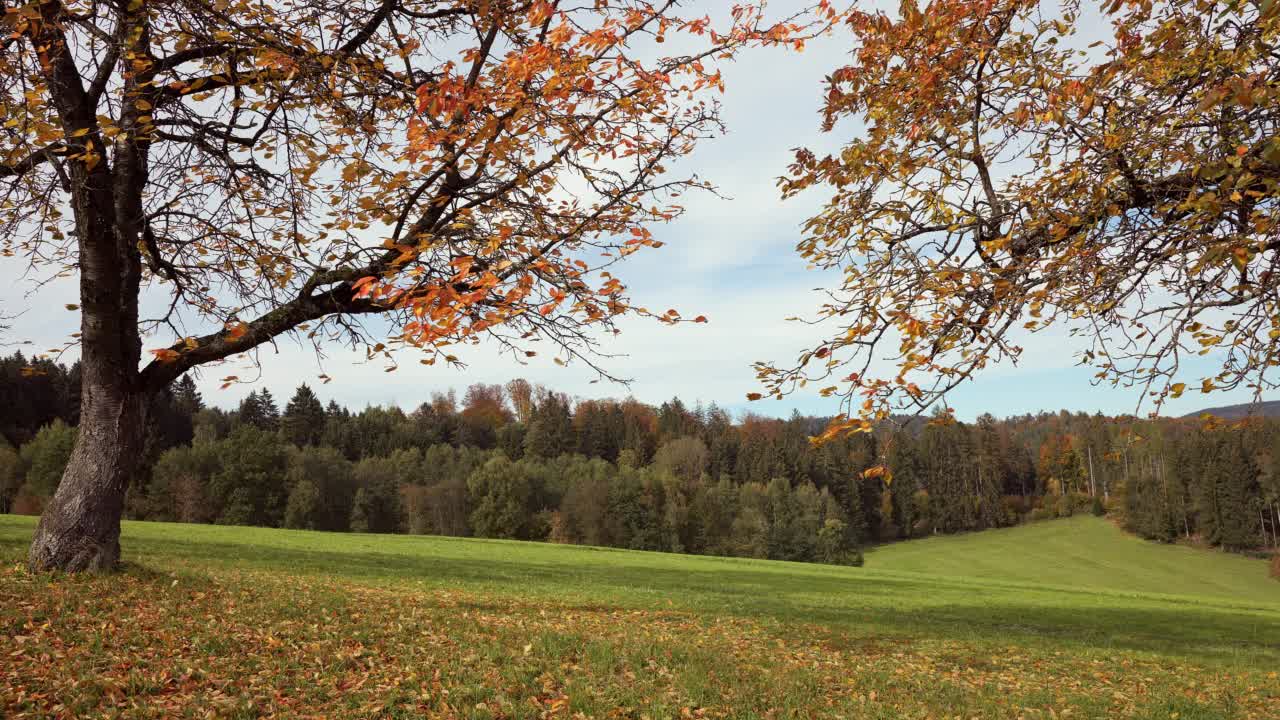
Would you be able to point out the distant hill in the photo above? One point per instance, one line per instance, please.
(1270, 408)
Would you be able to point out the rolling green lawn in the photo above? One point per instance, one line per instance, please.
(1069, 618)
(1083, 551)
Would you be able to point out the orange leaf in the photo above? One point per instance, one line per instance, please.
(165, 355)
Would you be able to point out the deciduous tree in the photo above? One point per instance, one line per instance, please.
(468, 168)
(1011, 172)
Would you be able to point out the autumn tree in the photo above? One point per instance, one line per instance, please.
(1011, 172)
(484, 411)
(470, 169)
(685, 458)
(520, 393)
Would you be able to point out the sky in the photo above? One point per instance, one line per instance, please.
(730, 258)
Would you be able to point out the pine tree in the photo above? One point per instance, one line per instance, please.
(907, 473)
(1226, 500)
(186, 396)
(304, 418)
(251, 411)
(948, 455)
(990, 468)
(550, 432)
(270, 412)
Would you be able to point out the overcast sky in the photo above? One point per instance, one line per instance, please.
(730, 259)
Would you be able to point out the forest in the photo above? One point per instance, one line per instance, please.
(523, 461)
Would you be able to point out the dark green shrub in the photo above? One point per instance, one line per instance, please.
(46, 456)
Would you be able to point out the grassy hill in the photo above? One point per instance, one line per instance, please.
(1068, 618)
(1082, 552)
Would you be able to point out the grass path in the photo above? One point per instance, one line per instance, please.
(1061, 619)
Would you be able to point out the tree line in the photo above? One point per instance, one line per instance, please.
(525, 462)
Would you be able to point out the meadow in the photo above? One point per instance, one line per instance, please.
(1067, 618)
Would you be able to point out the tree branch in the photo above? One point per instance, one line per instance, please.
(31, 161)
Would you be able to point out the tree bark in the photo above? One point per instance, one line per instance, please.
(80, 529)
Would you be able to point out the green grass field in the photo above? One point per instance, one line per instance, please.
(1063, 619)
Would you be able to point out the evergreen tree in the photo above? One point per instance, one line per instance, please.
(948, 452)
(303, 422)
(907, 477)
(270, 412)
(186, 397)
(1227, 515)
(550, 431)
(34, 393)
(258, 409)
(990, 468)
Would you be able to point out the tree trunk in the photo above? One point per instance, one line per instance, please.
(80, 530)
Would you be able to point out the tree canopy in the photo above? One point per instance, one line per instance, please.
(470, 168)
(1008, 175)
